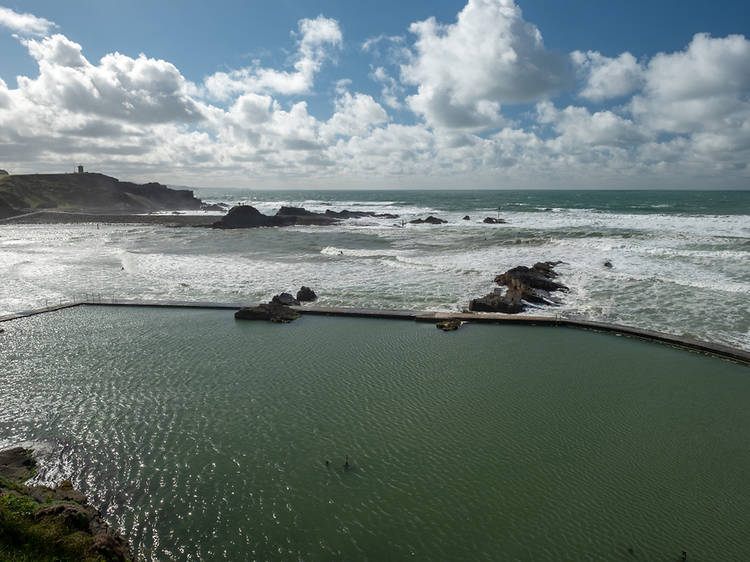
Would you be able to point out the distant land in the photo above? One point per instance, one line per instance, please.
(88, 193)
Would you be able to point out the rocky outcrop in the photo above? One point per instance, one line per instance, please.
(285, 299)
(492, 220)
(428, 220)
(467, 218)
(358, 214)
(306, 294)
(271, 312)
(90, 193)
(448, 325)
(50, 522)
(4, 173)
(246, 216)
(524, 285)
(295, 212)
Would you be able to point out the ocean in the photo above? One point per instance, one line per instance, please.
(680, 259)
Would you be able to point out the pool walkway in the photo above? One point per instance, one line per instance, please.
(720, 350)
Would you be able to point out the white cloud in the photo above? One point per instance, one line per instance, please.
(318, 37)
(608, 77)
(391, 90)
(354, 115)
(490, 56)
(141, 90)
(140, 117)
(24, 24)
(577, 127)
(704, 87)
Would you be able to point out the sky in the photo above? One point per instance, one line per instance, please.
(389, 94)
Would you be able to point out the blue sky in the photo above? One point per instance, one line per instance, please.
(484, 93)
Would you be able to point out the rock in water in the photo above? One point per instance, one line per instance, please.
(286, 299)
(243, 216)
(428, 220)
(271, 312)
(306, 294)
(491, 220)
(448, 325)
(467, 218)
(523, 285)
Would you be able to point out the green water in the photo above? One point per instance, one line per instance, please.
(205, 438)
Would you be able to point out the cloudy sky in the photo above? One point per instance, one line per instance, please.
(418, 94)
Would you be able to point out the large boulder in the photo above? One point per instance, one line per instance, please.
(428, 220)
(539, 276)
(271, 312)
(492, 220)
(243, 216)
(522, 285)
(285, 299)
(306, 294)
(448, 325)
(4, 173)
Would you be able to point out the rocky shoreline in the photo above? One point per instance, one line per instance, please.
(43, 523)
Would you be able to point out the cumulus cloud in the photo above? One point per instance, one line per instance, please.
(607, 77)
(679, 116)
(317, 38)
(490, 56)
(24, 24)
(354, 115)
(142, 89)
(704, 87)
(577, 126)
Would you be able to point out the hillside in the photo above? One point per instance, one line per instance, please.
(89, 193)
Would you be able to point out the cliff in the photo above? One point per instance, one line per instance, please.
(88, 192)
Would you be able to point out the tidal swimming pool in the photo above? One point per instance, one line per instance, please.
(204, 438)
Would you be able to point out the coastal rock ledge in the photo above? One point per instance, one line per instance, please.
(42, 523)
(524, 286)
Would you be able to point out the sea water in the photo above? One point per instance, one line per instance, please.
(680, 259)
(206, 438)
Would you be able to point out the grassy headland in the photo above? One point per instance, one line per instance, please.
(89, 193)
(45, 524)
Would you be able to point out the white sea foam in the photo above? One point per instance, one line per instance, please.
(670, 271)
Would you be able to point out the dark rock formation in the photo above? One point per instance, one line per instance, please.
(295, 212)
(17, 464)
(467, 218)
(306, 294)
(523, 285)
(608, 264)
(285, 299)
(271, 312)
(358, 214)
(448, 325)
(428, 220)
(4, 173)
(245, 216)
(53, 523)
(492, 220)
